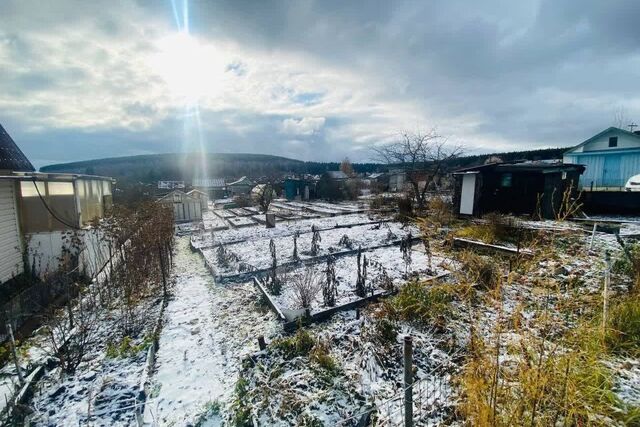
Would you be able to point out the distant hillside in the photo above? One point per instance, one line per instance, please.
(511, 156)
(176, 166)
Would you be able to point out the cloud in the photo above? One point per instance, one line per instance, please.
(312, 79)
(303, 126)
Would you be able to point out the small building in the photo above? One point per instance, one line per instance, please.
(186, 208)
(516, 188)
(300, 188)
(240, 187)
(397, 179)
(610, 159)
(214, 187)
(337, 175)
(38, 210)
(202, 196)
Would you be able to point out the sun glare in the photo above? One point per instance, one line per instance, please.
(190, 69)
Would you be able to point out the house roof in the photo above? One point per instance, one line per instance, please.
(208, 182)
(604, 132)
(195, 191)
(181, 193)
(11, 158)
(337, 174)
(242, 181)
(543, 166)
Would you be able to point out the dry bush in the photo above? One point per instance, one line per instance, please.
(568, 206)
(479, 270)
(306, 286)
(440, 210)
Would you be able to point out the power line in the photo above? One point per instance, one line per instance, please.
(46, 205)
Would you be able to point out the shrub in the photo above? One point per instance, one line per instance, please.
(297, 345)
(320, 355)
(240, 406)
(306, 286)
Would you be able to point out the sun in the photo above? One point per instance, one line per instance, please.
(187, 66)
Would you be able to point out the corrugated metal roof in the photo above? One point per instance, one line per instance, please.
(11, 158)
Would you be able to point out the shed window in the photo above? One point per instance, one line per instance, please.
(505, 180)
(613, 141)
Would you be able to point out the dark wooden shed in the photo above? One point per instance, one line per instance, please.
(515, 188)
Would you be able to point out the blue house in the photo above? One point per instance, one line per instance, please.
(610, 158)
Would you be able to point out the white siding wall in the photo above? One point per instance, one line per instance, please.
(10, 243)
(45, 250)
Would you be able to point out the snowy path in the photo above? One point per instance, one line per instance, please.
(207, 330)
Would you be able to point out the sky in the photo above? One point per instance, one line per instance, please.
(312, 79)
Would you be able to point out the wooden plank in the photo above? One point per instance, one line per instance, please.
(270, 301)
(462, 242)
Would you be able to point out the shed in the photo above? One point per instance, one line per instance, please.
(186, 208)
(214, 187)
(611, 157)
(517, 188)
(299, 189)
(241, 186)
(202, 196)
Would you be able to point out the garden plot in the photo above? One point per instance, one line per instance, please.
(224, 213)
(241, 212)
(241, 221)
(281, 229)
(213, 222)
(385, 269)
(351, 371)
(256, 252)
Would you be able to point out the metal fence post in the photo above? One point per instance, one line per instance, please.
(408, 381)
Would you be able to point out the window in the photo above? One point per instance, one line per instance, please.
(505, 180)
(613, 141)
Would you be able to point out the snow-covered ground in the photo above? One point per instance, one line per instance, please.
(208, 329)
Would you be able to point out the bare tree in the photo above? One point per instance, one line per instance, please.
(347, 167)
(423, 158)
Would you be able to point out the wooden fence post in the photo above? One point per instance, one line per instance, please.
(605, 294)
(408, 381)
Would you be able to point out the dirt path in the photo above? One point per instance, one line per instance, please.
(208, 329)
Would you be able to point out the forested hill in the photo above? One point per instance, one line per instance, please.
(154, 167)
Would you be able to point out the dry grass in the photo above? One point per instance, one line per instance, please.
(482, 271)
(536, 383)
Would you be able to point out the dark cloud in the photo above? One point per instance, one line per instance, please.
(495, 74)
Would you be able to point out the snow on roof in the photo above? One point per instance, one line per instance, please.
(242, 181)
(208, 182)
(337, 174)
